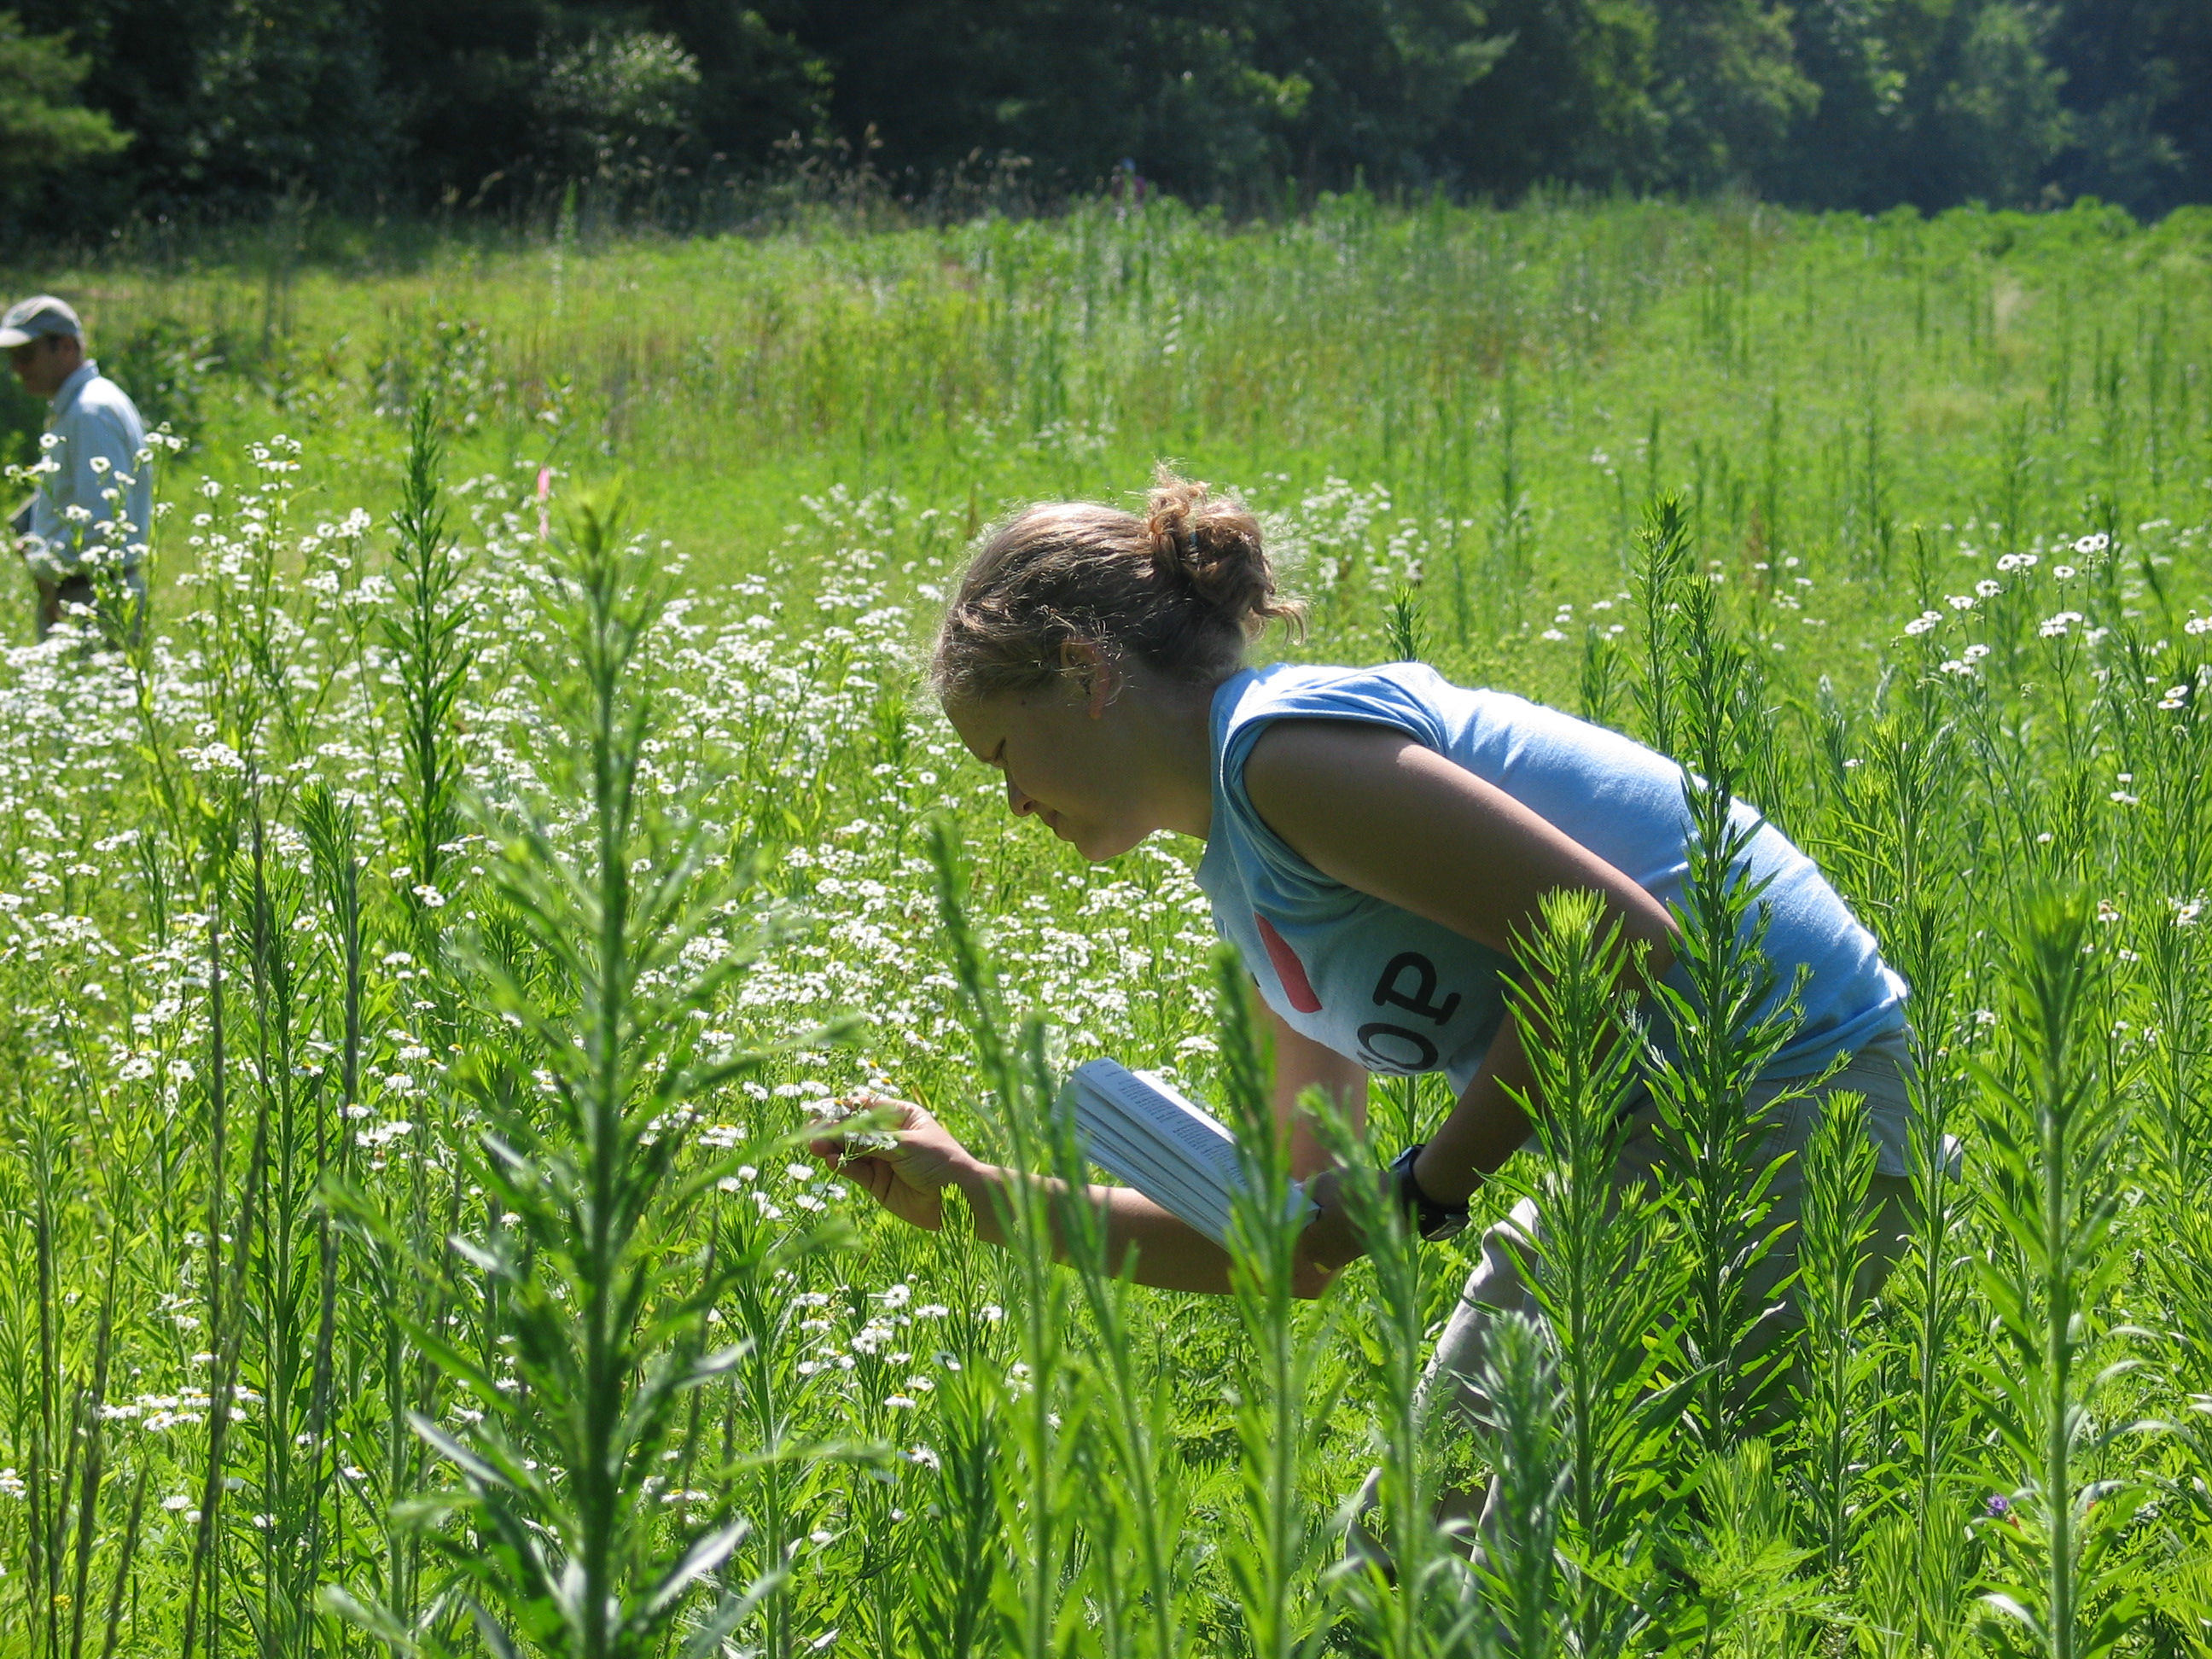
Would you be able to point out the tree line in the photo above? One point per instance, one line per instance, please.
(112, 110)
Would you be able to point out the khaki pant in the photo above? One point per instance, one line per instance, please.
(1452, 1380)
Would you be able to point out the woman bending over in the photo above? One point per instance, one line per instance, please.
(1376, 839)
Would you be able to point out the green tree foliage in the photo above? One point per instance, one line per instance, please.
(1929, 101)
(616, 106)
(1729, 87)
(1574, 101)
(228, 101)
(1836, 103)
(2135, 71)
(656, 105)
(406, 103)
(43, 128)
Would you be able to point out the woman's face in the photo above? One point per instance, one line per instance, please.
(1066, 754)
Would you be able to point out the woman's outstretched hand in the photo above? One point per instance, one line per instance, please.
(906, 1177)
(1330, 1242)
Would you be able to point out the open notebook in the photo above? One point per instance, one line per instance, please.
(1142, 1130)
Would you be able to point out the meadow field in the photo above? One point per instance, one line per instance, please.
(421, 951)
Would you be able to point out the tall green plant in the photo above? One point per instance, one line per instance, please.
(1604, 1265)
(1727, 1015)
(1017, 1088)
(68, 1455)
(2053, 1125)
(1145, 1499)
(586, 1111)
(1272, 1558)
(2178, 1169)
(1518, 1564)
(1895, 844)
(286, 1359)
(1404, 625)
(1743, 1557)
(1411, 1597)
(1834, 1244)
(231, 1221)
(1661, 580)
(2179, 1142)
(331, 830)
(951, 1611)
(427, 634)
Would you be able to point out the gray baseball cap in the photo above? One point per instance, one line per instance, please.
(35, 318)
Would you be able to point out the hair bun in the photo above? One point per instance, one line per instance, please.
(1213, 547)
(1183, 589)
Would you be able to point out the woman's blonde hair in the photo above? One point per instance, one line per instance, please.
(1182, 589)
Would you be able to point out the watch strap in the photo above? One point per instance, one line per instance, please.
(1431, 1219)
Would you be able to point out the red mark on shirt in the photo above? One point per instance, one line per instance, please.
(1288, 968)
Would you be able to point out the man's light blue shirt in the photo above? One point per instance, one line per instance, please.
(91, 466)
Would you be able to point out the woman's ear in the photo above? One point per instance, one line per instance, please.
(1092, 674)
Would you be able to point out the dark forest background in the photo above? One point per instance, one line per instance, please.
(115, 113)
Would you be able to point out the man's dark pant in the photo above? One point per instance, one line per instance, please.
(118, 607)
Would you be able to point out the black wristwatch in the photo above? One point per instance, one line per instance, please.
(1430, 1219)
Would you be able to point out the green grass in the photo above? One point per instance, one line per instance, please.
(1818, 385)
(274, 894)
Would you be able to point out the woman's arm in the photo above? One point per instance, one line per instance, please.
(1302, 1064)
(1370, 807)
(1328, 1242)
(910, 1179)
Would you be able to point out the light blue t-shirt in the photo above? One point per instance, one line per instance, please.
(1400, 993)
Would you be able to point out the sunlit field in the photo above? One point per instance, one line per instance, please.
(421, 952)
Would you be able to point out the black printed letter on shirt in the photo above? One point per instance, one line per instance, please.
(1392, 1047)
(1387, 989)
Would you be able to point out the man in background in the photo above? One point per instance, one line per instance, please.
(84, 534)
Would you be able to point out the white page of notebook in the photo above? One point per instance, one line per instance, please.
(1144, 1131)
